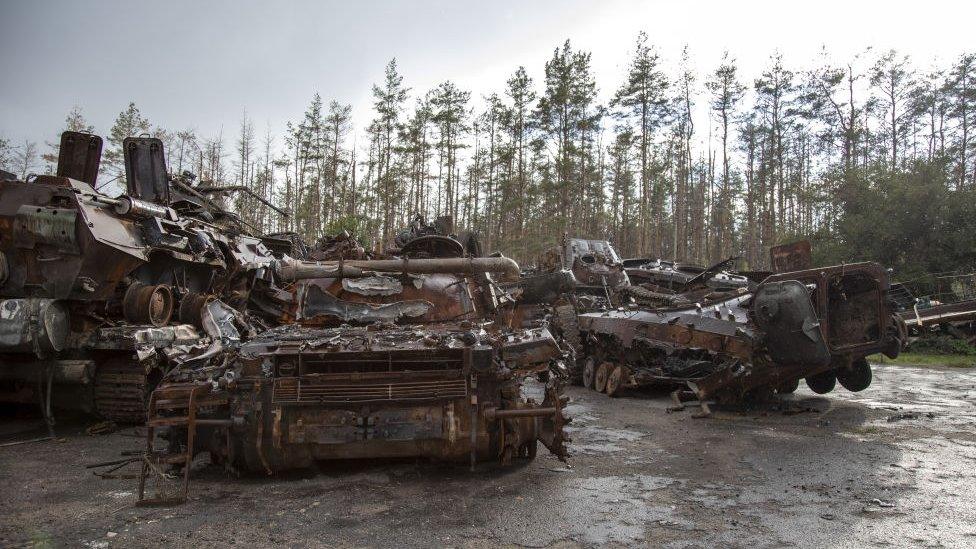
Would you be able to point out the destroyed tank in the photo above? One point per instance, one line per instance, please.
(408, 354)
(816, 324)
(100, 295)
(681, 277)
(579, 275)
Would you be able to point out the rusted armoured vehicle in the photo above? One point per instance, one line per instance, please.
(595, 265)
(579, 275)
(99, 294)
(673, 277)
(815, 324)
(386, 357)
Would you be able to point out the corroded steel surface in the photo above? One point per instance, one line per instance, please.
(413, 356)
(812, 324)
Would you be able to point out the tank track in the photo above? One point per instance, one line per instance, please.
(566, 321)
(122, 389)
(649, 298)
(564, 317)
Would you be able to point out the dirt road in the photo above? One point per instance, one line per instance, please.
(893, 466)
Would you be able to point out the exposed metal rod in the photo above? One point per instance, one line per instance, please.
(495, 413)
(245, 190)
(301, 270)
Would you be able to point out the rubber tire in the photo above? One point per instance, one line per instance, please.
(602, 373)
(822, 383)
(855, 378)
(788, 387)
(589, 372)
(615, 380)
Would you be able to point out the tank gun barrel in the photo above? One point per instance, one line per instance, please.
(299, 270)
(245, 190)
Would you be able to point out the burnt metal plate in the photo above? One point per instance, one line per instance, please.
(79, 155)
(403, 424)
(793, 332)
(145, 169)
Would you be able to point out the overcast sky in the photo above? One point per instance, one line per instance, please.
(199, 64)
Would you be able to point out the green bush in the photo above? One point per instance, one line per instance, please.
(941, 344)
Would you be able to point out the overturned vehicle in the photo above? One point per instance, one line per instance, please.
(100, 295)
(407, 356)
(817, 324)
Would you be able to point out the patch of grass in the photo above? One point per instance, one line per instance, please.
(918, 359)
(940, 344)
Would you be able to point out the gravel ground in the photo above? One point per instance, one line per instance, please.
(892, 466)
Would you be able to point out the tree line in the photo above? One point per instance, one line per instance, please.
(871, 158)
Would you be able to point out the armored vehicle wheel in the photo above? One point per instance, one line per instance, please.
(144, 304)
(822, 383)
(856, 377)
(589, 372)
(788, 387)
(602, 373)
(615, 379)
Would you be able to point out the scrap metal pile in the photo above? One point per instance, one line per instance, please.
(161, 306)
(385, 357)
(712, 332)
(723, 336)
(100, 296)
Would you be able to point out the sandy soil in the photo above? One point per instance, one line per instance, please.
(893, 466)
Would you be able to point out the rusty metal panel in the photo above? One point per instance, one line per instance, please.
(403, 424)
(145, 169)
(45, 225)
(79, 156)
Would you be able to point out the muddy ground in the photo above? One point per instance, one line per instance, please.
(893, 466)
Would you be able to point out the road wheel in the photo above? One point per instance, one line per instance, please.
(788, 387)
(602, 373)
(856, 377)
(589, 372)
(822, 383)
(615, 379)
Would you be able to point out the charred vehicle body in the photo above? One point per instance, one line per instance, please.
(656, 282)
(386, 357)
(100, 295)
(579, 275)
(816, 324)
(596, 268)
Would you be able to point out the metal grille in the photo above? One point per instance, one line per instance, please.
(329, 390)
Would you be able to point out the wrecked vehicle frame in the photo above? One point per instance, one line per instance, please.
(384, 358)
(818, 324)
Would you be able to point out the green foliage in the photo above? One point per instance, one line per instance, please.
(361, 227)
(941, 344)
(909, 220)
(129, 123)
(918, 359)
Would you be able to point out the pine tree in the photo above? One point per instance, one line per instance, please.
(388, 100)
(74, 122)
(642, 99)
(727, 92)
(961, 88)
(129, 123)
